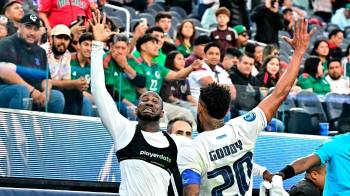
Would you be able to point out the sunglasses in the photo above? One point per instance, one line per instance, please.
(244, 34)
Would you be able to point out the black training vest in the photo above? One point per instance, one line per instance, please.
(164, 158)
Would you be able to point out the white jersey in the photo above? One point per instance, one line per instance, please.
(138, 177)
(223, 157)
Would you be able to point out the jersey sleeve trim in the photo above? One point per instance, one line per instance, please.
(189, 176)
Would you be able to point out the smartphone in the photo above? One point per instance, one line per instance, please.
(143, 21)
(81, 18)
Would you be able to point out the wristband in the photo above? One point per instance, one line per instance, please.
(288, 172)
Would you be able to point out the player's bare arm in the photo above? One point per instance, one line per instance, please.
(300, 43)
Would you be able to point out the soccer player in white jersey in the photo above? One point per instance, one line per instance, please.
(219, 160)
(147, 156)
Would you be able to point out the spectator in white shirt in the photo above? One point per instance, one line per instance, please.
(339, 83)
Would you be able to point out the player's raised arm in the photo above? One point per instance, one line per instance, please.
(108, 111)
(300, 43)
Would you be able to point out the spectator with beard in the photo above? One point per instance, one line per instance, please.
(339, 83)
(14, 12)
(23, 70)
(138, 144)
(59, 63)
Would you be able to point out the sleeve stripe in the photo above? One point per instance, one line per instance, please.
(189, 176)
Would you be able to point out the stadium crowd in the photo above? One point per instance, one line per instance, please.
(250, 67)
(174, 49)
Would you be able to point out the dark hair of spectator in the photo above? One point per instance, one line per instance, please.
(161, 15)
(216, 99)
(223, 10)
(268, 50)
(316, 44)
(333, 60)
(314, 168)
(154, 28)
(171, 122)
(9, 4)
(85, 37)
(144, 39)
(120, 38)
(250, 55)
(286, 10)
(311, 66)
(179, 35)
(250, 48)
(170, 57)
(268, 80)
(334, 32)
(210, 45)
(233, 52)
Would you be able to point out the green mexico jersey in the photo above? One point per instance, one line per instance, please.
(155, 75)
(77, 71)
(115, 76)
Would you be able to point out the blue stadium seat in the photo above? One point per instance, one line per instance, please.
(300, 121)
(156, 6)
(335, 104)
(149, 17)
(179, 10)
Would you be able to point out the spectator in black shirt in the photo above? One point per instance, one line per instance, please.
(23, 71)
(268, 22)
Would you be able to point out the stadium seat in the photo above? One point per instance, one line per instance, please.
(177, 15)
(300, 121)
(311, 103)
(179, 10)
(196, 22)
(132, 11)
(335, 104)
(156, 6)
(151, 11)
(117, 21)
(285, 107)
(331, 27)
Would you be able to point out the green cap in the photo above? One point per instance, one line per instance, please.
(240, 29)
(347, 6)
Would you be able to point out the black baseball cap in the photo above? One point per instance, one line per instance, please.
(202, 39)
(31, 19)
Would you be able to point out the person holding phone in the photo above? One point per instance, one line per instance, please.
(53, 13)
(268, 22)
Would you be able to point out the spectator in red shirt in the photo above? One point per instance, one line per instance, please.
(65, 12)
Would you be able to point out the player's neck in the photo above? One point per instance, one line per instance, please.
(149, 126)
(212, 124)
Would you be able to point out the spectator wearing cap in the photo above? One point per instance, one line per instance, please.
(155, 74)
(222, 34)
(342, 17)
(23, 70)
(14, 12)
(268, 22)
(198, 49)
(242, 37)
(59, 59)
(55, 12)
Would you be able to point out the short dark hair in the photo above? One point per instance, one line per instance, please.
(217, 99)
(334, 32)
(144, 39)
(233, 52)
(211, 45)
(250, 55)
(171, 123)
(154, 28)
(286, 10)
(311, 65)
(161, 15)
(333, 60)
(314, 168)
(120, 38)
(85, 37)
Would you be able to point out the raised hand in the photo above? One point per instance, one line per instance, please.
(98, 27)
(197, 64)
(301, 38)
